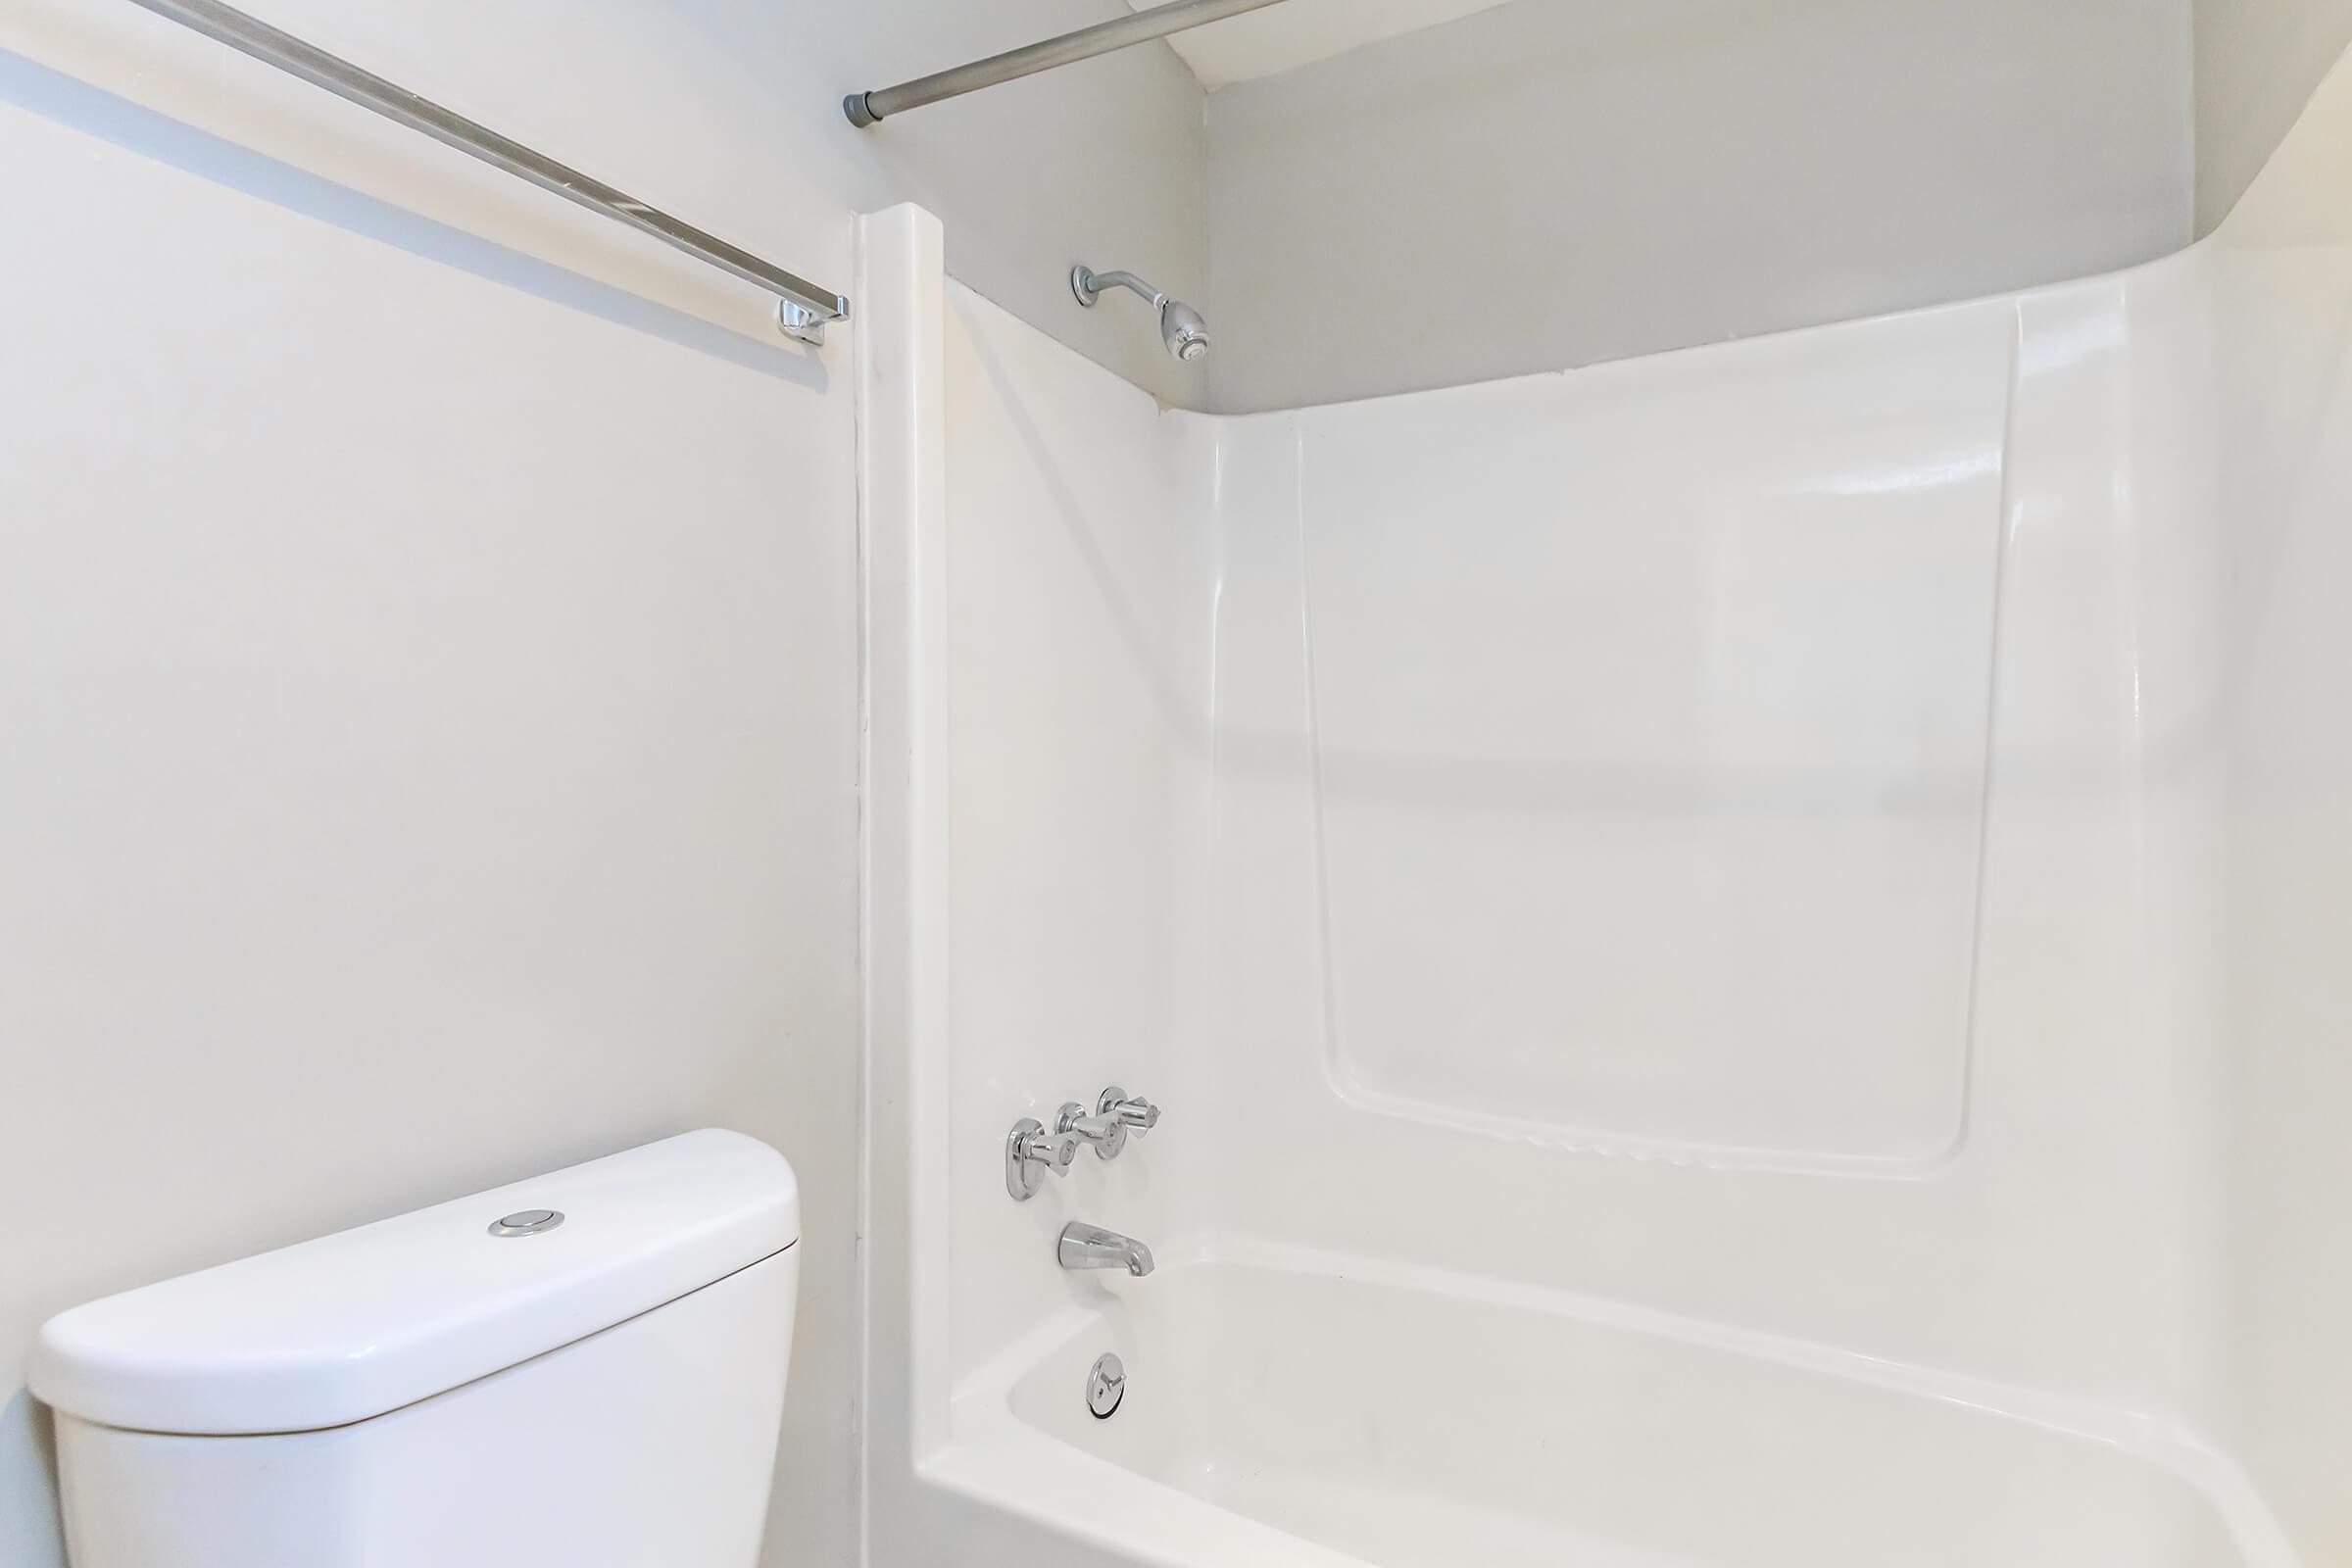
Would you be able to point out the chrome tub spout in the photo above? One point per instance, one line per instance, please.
(1092, 1247)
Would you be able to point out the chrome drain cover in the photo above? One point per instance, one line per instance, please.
(1105, 1385)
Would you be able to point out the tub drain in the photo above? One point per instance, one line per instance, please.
(1105, 1385)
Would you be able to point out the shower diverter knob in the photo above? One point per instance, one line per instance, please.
(1030, 1152)
(1138, 1114)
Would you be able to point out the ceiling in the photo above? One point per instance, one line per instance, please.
(1299, 33)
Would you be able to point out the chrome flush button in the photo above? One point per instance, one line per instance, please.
(530, 1222)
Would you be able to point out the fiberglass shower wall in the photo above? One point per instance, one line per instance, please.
(1679, 830)
(1837, 840)
(2275, 716)
(1683, 836)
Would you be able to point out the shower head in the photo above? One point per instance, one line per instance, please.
(1183, 331)
(1181, 327)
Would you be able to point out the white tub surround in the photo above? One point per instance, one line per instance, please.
(1719, 937)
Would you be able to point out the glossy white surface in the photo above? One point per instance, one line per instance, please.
(650, 1443)
(1414, 1419)
(2273, 733)
(2096, 755)
(363, 1322)
(1651, 796)
(1078, 614)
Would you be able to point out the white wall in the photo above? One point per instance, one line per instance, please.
(1296, 33)
(1561, 181)
(430, 621)
(2257, 62)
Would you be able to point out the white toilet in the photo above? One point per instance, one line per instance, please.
(583, 1370)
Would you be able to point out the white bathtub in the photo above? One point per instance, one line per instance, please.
(1343, 1413)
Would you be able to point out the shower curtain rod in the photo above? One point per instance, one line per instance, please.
(803, 308)
(867, 108)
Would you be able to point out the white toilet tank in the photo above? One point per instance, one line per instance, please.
(599, 1390)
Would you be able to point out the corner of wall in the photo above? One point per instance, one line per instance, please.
(2256, 65)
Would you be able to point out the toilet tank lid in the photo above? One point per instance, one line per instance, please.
(364, 1321)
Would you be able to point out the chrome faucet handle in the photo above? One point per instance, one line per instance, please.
(1030, 1152)
(1134, 1111)
(1107, 1132)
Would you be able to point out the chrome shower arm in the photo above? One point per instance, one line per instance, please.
(1089, 286)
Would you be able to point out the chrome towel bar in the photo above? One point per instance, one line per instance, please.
(803, 308)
